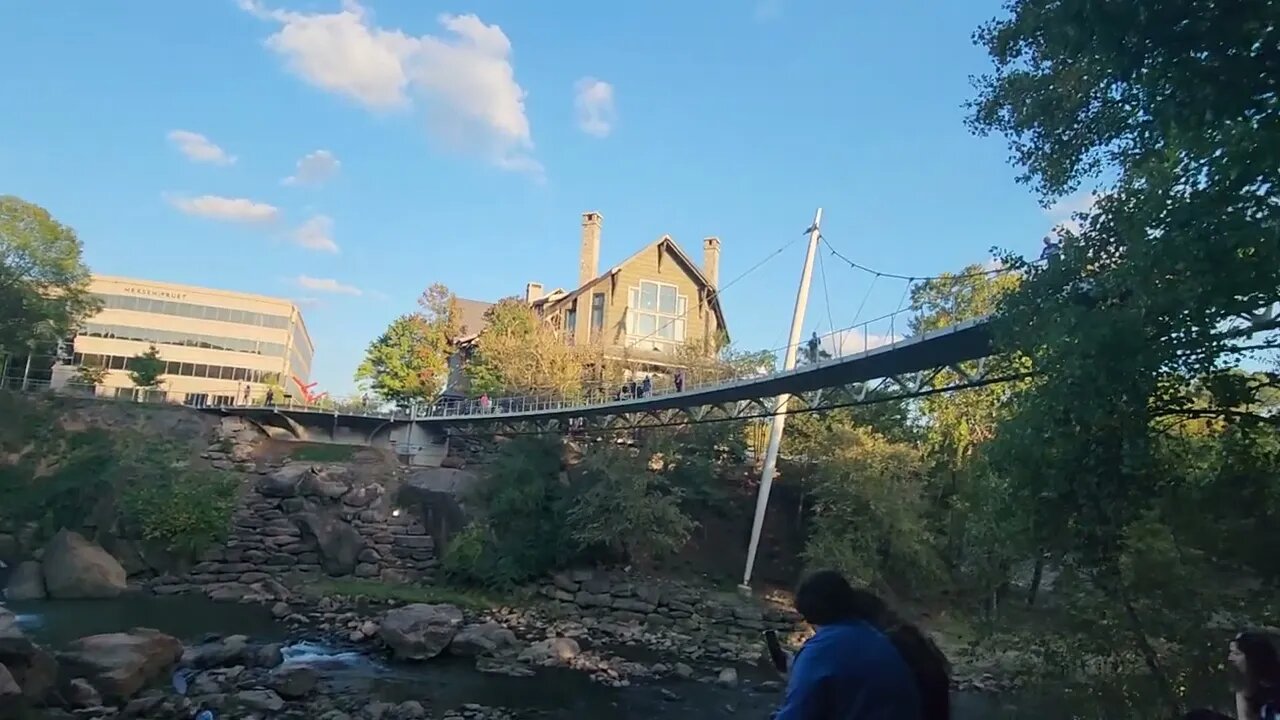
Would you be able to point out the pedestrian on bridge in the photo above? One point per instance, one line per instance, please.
(679, 381)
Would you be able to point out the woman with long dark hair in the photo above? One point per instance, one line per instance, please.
(1255, 668)
(863, 660)
(1254, 659)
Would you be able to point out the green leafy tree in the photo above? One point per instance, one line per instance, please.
(626, 508)
(44, 283)
(409, 361)
(146, 369)
(521, 529)
(870, 511)
(1148, 291)
(91, 375)
(519, 354)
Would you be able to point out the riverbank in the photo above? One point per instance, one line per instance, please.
(241, 660)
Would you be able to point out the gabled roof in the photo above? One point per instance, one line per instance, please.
(680, 255)
(471, 319)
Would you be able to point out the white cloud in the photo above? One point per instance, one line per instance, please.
(199, 148)
(593, 103)
(316, 234)
(216, 207)
(326, 285)
(314, 168)
(464, 79)
(1062, 213)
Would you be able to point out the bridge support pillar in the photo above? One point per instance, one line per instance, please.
(780, 408)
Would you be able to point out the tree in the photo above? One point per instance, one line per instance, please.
(1145, 299)
(409, 361)
(958, 424)
(44, 283)
(145, 369)
(91, 375)
(626, 508)
(519, 354)
(869, 514)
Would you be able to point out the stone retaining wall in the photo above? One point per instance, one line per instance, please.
(627, 598)
(311, 519)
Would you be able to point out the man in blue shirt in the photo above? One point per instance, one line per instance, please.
(850, 669)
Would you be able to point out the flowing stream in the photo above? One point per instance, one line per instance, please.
(446, 683)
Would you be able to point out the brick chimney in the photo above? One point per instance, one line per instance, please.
(589, 260)
(711, 261)
(532, 291)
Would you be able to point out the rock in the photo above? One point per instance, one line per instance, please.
(264, 700)
(10, 692)
(75, 568)
(493, 666)
(409, 710)
(293, 681)
(228, 651)
(284, 482)
(728, 677)
(269, 656)
(81, 694)
(683, 671)
(322, 485)
(420, 631)
(281, 610)
(488, 638)
(339, 543)
(120, 664)
(26, 582)
(33, 670)
(10, 548)
(557, 650)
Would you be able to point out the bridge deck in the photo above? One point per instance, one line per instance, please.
(968, 340)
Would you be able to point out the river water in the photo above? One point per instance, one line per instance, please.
(447, 683)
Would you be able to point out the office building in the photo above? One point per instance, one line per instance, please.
(217, 345)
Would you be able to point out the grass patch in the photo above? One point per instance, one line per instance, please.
(323, 452)
(375, 590)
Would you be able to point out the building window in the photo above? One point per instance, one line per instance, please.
(656, 313)
(571, 320)
(201, 312)
(215, 372)
(170, 337)
(597, 313)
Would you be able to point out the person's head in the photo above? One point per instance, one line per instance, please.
(825, 597)
(1254, 657)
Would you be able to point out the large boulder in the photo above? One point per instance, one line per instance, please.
(120, 664)
(26, 582)
(284, 482)
(420, 631)
(326, 483)
(339, 543)
(32, 669)
(488, 639)
(75, 568)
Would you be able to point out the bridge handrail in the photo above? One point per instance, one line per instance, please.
(520, 405)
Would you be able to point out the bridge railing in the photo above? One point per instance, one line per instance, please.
(877, 334)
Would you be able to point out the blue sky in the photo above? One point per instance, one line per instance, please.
(350, 154)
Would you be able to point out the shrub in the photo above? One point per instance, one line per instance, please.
(869, 510)
(627, 509)
(520, 532)
(185, 510)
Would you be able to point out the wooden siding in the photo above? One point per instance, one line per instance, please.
(658, 264)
